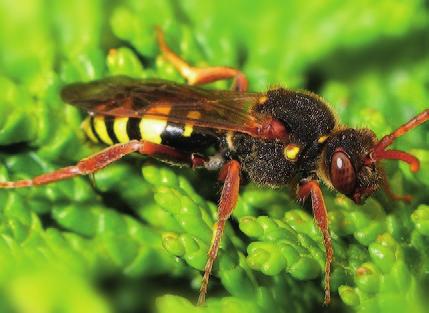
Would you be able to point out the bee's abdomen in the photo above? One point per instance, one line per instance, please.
(110, 130)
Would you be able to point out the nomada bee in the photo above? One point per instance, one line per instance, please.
(270, 138)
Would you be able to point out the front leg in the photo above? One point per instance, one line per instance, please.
(311, 188)
(389, 192)
(230, 175)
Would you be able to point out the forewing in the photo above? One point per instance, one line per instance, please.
(127, 97)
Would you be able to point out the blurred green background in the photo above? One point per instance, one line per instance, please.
(137, 240)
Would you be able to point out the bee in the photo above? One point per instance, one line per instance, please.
(271, 138)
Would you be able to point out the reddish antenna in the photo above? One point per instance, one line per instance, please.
(379, 151)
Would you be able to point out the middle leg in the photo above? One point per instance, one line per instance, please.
(230, 175)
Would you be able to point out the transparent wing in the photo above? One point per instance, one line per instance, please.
(128, 97)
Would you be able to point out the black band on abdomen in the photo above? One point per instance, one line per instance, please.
(109, 120)
(133, 129)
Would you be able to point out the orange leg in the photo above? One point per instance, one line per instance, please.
(390, 193)
(379, 151)
(199, 75)
(98, 161)
(312, 189)
(230, 175)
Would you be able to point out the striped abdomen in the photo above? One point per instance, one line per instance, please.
(110, 130)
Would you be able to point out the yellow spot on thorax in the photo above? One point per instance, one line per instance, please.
(193, 115)
(100, 128)
(291, 151)
(86, 126)
(120, 129)
(262, 100)
(322, 139)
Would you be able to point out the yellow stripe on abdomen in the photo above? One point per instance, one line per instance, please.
(101, 130)
(151, 129)
(87, 128)
(120, 129)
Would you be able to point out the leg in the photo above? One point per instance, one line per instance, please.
(98, 161)
(311, 188)
(211, 163)
(230, 175)
(389, 192)
(198, 160)
(199, 76)
(379, 151)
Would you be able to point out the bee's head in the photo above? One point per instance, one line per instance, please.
(351, 156)
(344, 163)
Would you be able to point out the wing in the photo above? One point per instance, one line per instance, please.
(128, 97)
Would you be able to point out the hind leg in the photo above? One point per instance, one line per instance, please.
(200, 75)
(100, 160)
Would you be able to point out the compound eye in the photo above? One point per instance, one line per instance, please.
(343, 175)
